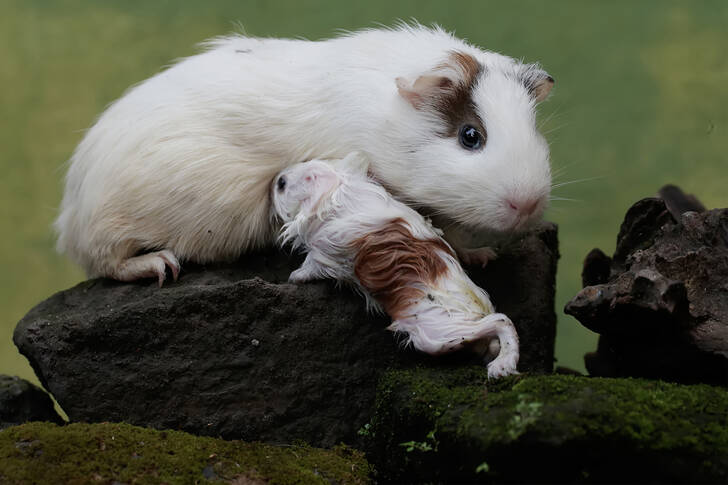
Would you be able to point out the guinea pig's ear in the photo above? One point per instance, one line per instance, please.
(458, 72)
(425, 87)
(537, 81)
(354, 163)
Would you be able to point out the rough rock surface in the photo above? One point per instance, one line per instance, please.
(109, 453)
(441, 425)
(21, 401)
(232, 350)
(660, 304)
(522, 284)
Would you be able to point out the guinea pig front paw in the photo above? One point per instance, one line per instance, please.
(309, 270)
(301, 275)
(476, 256)
(297, 277)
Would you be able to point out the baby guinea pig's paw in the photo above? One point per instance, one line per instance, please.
(299, 276)
(308, 271)
(504, 365)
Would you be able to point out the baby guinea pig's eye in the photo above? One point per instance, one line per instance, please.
(281, 183)
(470, 138)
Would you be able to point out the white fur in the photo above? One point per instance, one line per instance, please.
(182, 162)
(325, 210)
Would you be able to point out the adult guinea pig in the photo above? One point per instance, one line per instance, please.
(353, 231)
(179, 167)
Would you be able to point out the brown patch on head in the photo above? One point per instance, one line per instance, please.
(456, 104)
(390, 261)
(448, 90)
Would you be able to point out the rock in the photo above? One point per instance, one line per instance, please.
(522, 284)
(121, 453)
(233, 351)
(447, 425)
(221, 353)
(21, 401)
(660, 304)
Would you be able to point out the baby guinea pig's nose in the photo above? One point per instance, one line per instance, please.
(281, 183)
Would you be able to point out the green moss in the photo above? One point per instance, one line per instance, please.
(667, 431)
(106, 453)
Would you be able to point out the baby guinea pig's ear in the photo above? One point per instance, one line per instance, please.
(355, 163)
(536, 80)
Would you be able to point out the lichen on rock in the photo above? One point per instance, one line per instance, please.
(121, 453)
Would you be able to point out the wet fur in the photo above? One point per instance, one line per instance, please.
(390, 262)
(354, 232)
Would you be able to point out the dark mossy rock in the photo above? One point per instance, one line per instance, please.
(450, 425)
(234, 351)
(21, 401)
(660, 304)
(125, 454)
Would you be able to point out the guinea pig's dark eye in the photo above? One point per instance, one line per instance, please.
(470, 138)
(281, 183)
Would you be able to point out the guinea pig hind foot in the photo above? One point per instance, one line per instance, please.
(148, 265)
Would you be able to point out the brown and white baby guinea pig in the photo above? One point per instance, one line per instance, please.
(354, 232)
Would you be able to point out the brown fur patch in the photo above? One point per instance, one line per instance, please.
(390, 260)
(455, 102)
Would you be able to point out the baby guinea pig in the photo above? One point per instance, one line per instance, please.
(179, 167)
(353, 231)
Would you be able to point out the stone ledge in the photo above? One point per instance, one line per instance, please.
(232, 350)
(124, 454)
(448, 425)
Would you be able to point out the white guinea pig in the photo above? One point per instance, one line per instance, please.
(353, 231)
(179, 167)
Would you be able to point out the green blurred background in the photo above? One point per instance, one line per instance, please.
(641, 99)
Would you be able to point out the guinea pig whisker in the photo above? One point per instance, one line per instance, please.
(560, 171)
(555, 114)
(578, 181)
(554, 129)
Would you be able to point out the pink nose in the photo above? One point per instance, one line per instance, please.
(524, 207)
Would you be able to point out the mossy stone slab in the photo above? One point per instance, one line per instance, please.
(122, 453)
(451, 425)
